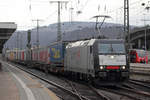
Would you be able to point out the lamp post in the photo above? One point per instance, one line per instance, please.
(146, 8)
(145, 29)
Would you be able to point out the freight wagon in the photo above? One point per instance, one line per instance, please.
(56, 57)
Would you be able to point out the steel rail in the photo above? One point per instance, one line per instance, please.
(74, 92)
(120, 93)
(99, 93)
(141, 84)
(147, 82)
(74, 89)
(54, 84)
(139, 72)
(135, 91)
(103, 97)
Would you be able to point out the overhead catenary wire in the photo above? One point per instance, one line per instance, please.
(81, 5)
(48, 17)
(131, 4)
(82, 8)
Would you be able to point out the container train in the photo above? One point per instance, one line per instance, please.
(93, 59)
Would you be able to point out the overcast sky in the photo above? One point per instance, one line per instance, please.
(24, 11)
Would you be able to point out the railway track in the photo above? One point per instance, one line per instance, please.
(99, 93)
(116, 91)
(140, 83)
(75, 90)
(91, 93)
(79, 94)
(130, 96)
(76, 93)
(84, 89)
(134, 90)
(128, 91)
(140, 70)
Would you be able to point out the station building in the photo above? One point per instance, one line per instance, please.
(6, 30)
(137, 38)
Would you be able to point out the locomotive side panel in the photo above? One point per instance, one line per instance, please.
(79, 58)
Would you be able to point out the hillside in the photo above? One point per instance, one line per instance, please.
(70, 31)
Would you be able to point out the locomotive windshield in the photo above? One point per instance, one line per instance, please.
(141, 53)
(111, 48)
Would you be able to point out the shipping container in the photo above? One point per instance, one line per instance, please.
(56, 53)
(35, 54)
(43, 55)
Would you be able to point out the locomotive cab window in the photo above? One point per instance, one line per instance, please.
(111, 48)
(141, 53)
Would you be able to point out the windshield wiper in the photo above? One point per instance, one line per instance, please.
(112, 50)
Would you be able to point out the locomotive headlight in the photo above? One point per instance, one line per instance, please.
(101, 67)
(112, 57)
(123, 67)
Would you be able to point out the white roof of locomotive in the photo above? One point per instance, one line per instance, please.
(81, 43)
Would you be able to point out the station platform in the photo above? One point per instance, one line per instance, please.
(139, 71)
(140, 68)
(18, 85)
(139, 65)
